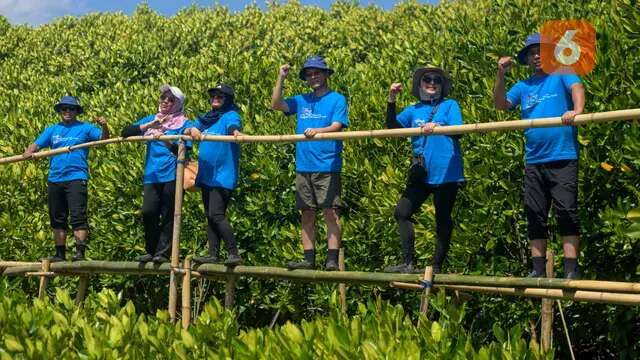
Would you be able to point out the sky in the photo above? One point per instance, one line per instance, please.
(38, 12)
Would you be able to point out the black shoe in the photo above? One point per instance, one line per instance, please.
(79, 255)
(304, 264)
(144, 258)
(159, 259)
(535, 274)
(400, 268)
(331, 266)
(206, 260)
(233, 260)
(55, 258)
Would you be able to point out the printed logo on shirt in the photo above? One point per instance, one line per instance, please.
(307, 113)
(534, 99)
(58, 139)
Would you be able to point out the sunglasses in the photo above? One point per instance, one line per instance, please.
(168, 98)
(432, 80)
(217, 96)
(67, 108)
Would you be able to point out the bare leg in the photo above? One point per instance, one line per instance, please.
(308, 229)
(334, 228)
(80, 235)
(60, 237)
(571, 246)
(538, 247)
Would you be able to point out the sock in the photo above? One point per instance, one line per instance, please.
(60, 251)
(570, 265)
(310, 256)
(332, 255)
(539, 264)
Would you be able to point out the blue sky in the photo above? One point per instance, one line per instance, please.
(37, 12)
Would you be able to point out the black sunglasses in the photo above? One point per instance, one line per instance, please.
(217, 95)
(432, 80)
(67, 108)
(169, 98)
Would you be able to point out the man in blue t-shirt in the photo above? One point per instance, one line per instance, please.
(551, 172)
(68, 173)
(318, 163)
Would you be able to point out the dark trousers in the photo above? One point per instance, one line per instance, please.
(444, 196)
(545, 183)
(216, 200)
(68, 198)
(157, 215)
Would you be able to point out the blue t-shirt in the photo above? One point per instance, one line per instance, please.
(442, 155)
(160, 163)
(218, 161)
(72, 165)
(543, 97)
(316, 112)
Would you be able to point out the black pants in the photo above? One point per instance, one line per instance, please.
(555, 182)
(157, 215)
(444, 196)
(216, 200)
(69, 197)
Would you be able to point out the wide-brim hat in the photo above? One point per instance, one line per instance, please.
(221, 88)
(68, 101)
(419, 73)
(314, 62)
(532, 40)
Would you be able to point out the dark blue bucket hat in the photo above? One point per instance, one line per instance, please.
(314, 62)
(68, 101)
(532, 40)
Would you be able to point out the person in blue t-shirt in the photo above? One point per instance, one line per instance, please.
(160, 172)
(68, 174)
(551, 171)
(437, 166)
(318, 163)
(218, 170)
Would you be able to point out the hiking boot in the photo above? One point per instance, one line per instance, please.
(331, 266)
(304, 264)
(144, 258)
(233, 260)
(55, 258)
(400, 268)
(79, 255)
(159, 259)
(206, 260)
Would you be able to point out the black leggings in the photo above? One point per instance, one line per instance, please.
(157, 215)
(215, 201)
(444, 196)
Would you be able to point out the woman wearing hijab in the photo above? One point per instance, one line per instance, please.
(160, 172)
(218, 171)
(436, 165)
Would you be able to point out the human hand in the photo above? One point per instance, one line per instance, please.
(504, 64)
(394, 90)
(428, 127)
(311, 132)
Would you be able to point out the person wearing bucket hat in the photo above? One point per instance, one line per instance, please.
(218, 164)
(437, 166)
(68, 174)
(551, 154)
(318, 163)
(160, 171)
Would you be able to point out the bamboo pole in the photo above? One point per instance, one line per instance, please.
(177, 222)
(44, 280)
(566, 331)
(230, 293)
(428, 283)
(7, 264)
(83, 284)
(584, 119)
(342, 287)
(186, 294)
(546, 324)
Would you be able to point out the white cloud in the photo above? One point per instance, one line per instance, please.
(37, 12)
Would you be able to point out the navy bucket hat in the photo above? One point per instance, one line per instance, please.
(68, 101)
(314, 62)
(532, 40)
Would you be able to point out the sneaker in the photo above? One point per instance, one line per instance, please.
(233, 260)
(206, 260)
(293, 265)
(159, 259)
(144, 258)
(400, 268)
(331, 266)
(55, 258)
(572, 275)
(535, 274)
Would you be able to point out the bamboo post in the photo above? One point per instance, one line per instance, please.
(82, 288)
(342, 287)
(186, 294)
(230, 292)
(44, 279)
(177, 222)
(566, 330)
(428, 283)
(546, 326)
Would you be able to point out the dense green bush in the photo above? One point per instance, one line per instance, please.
(115, 64)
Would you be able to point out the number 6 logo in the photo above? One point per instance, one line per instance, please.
(569, 46)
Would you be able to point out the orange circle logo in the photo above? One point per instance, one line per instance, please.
(569, 46)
